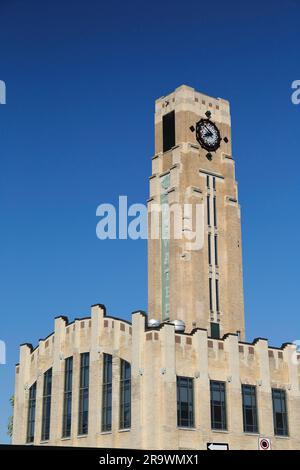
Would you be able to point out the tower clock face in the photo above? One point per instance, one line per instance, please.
(208, 135)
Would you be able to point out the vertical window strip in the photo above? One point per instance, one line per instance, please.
(214, 183)
(215, 212)
(83, 413)
(217, 295)
(209, 248)
(249, 408)
(107, 393)
(67, 405)
(210, 295)
(31, 414)
(216, 251)
(46, 414)
(125, 395)
(280, 412)
(207, 181)
(208, 210)
(185, 402)
(218, 405)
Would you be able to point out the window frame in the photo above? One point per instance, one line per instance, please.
(283, 400)
(83, 399)
(190, 403)
(30, 432)
(223, 406)
(125, 391)
(67, 398)
(107, 390)
(46, 407)
(254, 409)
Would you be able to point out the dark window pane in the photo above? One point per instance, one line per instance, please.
(280, 412)
(46, 405)
(125, 395)
(168, 131)
(218, 405)
(249, 408)
(67, 404)
(185, 402)
(31, 413)
(215, 330)
(83, 416)
(107, 393)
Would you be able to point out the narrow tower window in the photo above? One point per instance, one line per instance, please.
(31, 414)
(215, 330)
(185, 402)
(46, 405)
(210, 295)
(107, 393)
(125, 395)
(215, 212)
(208, 210)
(209, 248)
(83, 415)
(216, 251)
(67, 407)
(168, 131)
(217, 295)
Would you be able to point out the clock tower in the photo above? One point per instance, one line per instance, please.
(194, 240)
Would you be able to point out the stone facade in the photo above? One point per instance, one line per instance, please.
(159, 354)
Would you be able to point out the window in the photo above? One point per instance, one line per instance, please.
(46, 405)
(83, 414)
(107, 393)
(185, 402)
(210, 294)
(215, 212)
(249, 408)
(168, 131)
(218, 405)
(67, 406)
(215, 330)
(209, 248)
(31, 414)
(214, 182)
(279, 412)
(217, 296)
(125, 395)
(216, 251)
(207, 181)
(208, 210)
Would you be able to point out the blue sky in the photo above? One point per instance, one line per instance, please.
(77, 130)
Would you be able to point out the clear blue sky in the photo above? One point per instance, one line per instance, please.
(77, 130)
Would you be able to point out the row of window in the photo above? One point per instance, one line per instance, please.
(185, 402)
(185, 407)
(83, 415)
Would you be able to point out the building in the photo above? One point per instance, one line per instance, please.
(167, 384)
